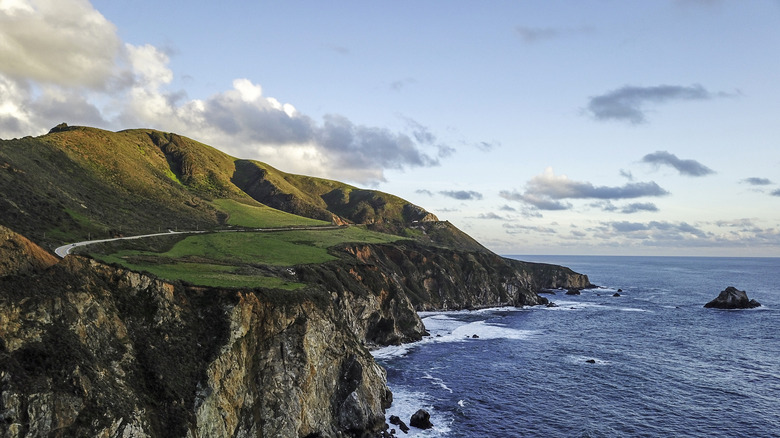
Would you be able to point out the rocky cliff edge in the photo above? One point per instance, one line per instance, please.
(89, 349)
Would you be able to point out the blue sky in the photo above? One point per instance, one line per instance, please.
(538, 127)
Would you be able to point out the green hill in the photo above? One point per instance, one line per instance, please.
(78, 183)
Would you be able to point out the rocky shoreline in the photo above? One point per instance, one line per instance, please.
(90, 349)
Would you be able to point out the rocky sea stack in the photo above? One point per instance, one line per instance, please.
(732, 298)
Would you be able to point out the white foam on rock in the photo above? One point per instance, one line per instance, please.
(450, 326)
(406, 403)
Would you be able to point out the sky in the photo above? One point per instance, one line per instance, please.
(593, 127)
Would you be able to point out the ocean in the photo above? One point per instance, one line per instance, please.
(650, 363)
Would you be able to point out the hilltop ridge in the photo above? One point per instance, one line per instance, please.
(92, 181)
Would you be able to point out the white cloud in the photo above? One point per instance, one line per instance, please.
(62, 61)
(62, 42)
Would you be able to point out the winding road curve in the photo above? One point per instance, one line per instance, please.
(64, 250)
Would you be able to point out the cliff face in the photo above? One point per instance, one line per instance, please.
(379, 288)
(90, 350)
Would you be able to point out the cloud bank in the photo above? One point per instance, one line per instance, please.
(64, 62)
(627, 104)
(462, 195)
(685, 167)
(756, 181)
(547, 191)
(734, 233)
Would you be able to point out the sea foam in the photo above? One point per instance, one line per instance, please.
(457, 326)
(406, 403)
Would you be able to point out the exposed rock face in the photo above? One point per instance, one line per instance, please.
(732, 298)
(90, 350)
(444, 279)
(379, 288)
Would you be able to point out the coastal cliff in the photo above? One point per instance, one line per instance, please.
(380, 288)
(90, 349)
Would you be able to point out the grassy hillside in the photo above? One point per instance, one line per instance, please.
(260, 216)
(79, 183)
(322, 198)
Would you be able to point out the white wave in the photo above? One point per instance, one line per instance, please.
(406, 403)
(573, 305)
(577, 305)
(446, 327)
(486, 330)
(393, 350)
(437, 381)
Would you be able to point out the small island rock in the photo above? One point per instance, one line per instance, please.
(572, 292)
(732, 298)
(421, 420)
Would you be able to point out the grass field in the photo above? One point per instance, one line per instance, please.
(232, 259)
(261, 216)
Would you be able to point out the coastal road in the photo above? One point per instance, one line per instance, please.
(64, 250)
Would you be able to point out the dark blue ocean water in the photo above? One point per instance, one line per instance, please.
(664, 365)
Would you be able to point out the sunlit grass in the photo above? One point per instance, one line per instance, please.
(261, 216)
(226, 259)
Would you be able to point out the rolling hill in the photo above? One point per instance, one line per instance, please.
(77, 183)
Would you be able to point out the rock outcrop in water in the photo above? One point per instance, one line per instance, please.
(421, 419)
(89, 349)
(732, 298)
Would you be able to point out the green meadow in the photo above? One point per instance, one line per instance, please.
(241, 258)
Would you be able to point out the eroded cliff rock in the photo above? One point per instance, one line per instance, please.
(92, 350)
(379, 288)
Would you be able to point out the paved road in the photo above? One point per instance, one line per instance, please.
(64, 250)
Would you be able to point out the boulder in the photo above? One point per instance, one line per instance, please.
(616, 294)
(732, 298)
(421, 420)
(572, 292)
(395, 420)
